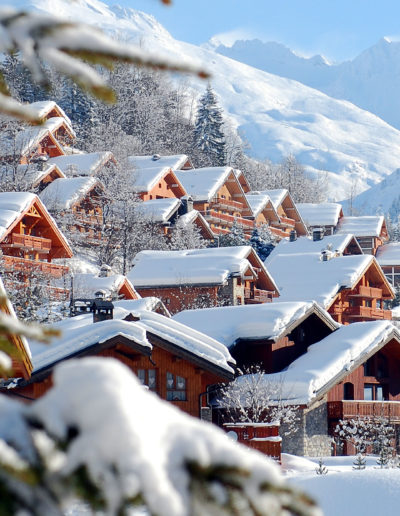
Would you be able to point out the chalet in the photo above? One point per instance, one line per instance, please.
(324, 216)
(33, 176)
(80, 198)
(271, 335)
(353, 372)
(154, 179)
(388, 257)
(174, 162)
(276, 207)
(21, 356)
(203, 277)
(55, 118)
(29, 237)
(173, 360)
(170, 211)
(350, 288)
(219, 196)
(370, 231)
(82, 164)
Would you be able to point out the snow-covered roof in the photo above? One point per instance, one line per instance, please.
(176, 162)
(82, 164)
(327, 362)
(388, 254)
(202, 184)
(79, 333)
(193, 266)
(12, 205)
(306, 245)
(64, 192)
(277, 195)
(271, 321)
(44, 107)
(158, 210)
(258, 201)
(323, 214)
(25, 174)
(54, 123)
(306, 277)
(188, 339)
(361, 226)
(86, 285)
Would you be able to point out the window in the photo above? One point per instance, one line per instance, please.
(147, 377)
(176, 388)
(374, 392)
(368, 391)
(348, 391)
(369, 369)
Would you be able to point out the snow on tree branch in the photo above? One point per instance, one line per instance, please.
(71, 49)
(100, 435)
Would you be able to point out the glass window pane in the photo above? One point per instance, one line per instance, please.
(180, 383)
(142, 376)
(152, 378)
(170, 380)
(379, 393)
(368, 392)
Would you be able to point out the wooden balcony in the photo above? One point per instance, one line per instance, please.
(257, 296)
(286, 222)
(12, 263)
(226, 204)
(28, 243)
(350, 409)
(278, 232)
(367, 292)
(227, 220)
(365, 312)
(86, 219)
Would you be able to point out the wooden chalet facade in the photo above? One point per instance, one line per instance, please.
(154, 274)
(147, 344)
(218, 195)
(370, 231)
(30, 240)
(323, 217)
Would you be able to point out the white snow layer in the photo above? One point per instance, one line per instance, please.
(81, 164)
(65, 192)
(158, 210)
(86, 284)
(229, 323)
(306, 277)
(175, 162)
(194, 266)
(323, 214)
(331, 359)
(388, 254)
(202, 184)
(361, 226)
(146, 441)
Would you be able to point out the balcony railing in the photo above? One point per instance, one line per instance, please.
(278, 232)
(366, 312)
(349, 409)
(222, 218)
(285, 221)
(15, 264)
(368, 292)
(28, 242)
(226, 204)
(87, 219)
(257, 296)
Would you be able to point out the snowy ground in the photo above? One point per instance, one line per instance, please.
(344, 491)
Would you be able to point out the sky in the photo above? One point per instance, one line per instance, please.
(338, 29)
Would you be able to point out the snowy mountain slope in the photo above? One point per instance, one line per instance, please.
(370, 81)
(277, 116)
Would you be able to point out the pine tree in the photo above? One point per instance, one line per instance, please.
(234, 237)
(262, 246)
(208, 135)
(359, 462)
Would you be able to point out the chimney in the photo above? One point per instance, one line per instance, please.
(101, 308)
(317, 234)
(156, 157)
(105, 271)
(186, 205)
(40, 162)
(324, 256)
(293, 236)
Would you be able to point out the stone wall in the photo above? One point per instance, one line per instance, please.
(311, 437)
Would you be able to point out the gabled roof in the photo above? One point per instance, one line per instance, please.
(15, 205)
(337, 244)
(27, 174)
(322, 214)
(28, 139)
(86, 285)
(211, 266)
(388, 254)
(175, 162)
(277, 196)
(64, 193)
(49, 109)
(365, 226)
(195, 217)
(306, 277)
(159, 210)
(269, 321)
(329, 361)
(145, 179)
(55, 123)
(82, 164)
(260, 201)
(79, 334)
